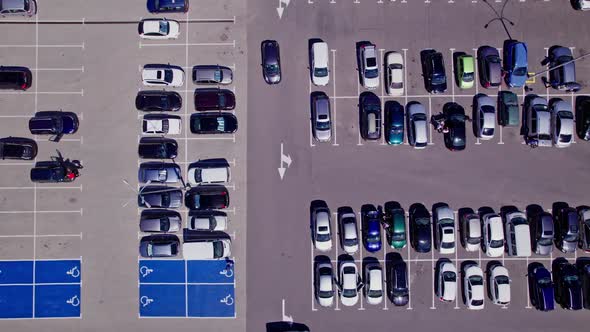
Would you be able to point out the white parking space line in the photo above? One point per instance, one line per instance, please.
(382, 97)
(81, 69)
(428, 121)
(361, 244)
(311, 134)
(409, 261)
(43, 46)
(384, 269)
(44, 211)
(187, 44)
(334, 95)
(40, 235)
(81, 92)
(453, 78)
(41, 187)
(457, 244)
(432, 264)
(313, 308)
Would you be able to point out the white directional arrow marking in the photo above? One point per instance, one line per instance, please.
(285, 159)
(281, 9)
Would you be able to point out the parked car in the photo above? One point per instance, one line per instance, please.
(158, 101)
(567, 229)
(53, 171)
(158, 172)
(271, 61)
(207, 197)
(583, 117)
(321, 222)
(15, 78)
(167, 6)
(158, 29)
(157, 148)
(584, 217)
(455, 139)
(18, 8)
(369, 70)
(18, 148)
(162, 75)
(433, 70)
(420, 234)
(584, 271)
(394, 76)
(159, 197)
(538, 120)
(489, 67)
(562, 122)
(446, 286)
(568, 288)
(161, 124)
(373, 287)
(541, 288)
(370, 107)
(473, 286)
(207, 248)
(161, 245)
(517, 234)
(485, 116)
(323, 284)
(581, 4)
(207, 221)
(397, 283)
(321, 117)
(499, 285)
(208, 171)
(54, 123)
(542, 233)
(444, 229)
(160, 221)
(493, 235)
(515, 63)
(320, 73)
(417, 126)
(508, 112)
(471, 226)
(465, 71)
(213, 123)
(212, 74)
(395, 225)
(564, 77)
(371, 229)
(349, 283)
(394, 122)
(214, 99)
(348, 232)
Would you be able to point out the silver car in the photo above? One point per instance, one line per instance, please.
(562, 123)
(207, 221)
(160, 221)
(321, 117)
(18, 8)
(158, 172)
(212, 74)
(543, 234)
(417, 125)
(485, 116)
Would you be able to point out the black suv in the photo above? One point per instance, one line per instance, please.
(433, 70)
(207, 197)
(18, 148)
(55, 123)
(568, 288)
(167, 6)
(420, 228)
(213, 123)
(455, 121)
(15, 78)
(157, 148)
(158, 101)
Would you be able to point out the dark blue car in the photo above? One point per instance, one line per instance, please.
(515, 63)
(54, 123)
(541, 289)
(394, 123)
(167, 6)
(372, 230)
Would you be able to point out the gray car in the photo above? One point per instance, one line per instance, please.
(321, 117)
(542, 233)
(567, 230)
(162, 245)
(212, 74)
(271, 61)
(489, 67)
(159, 197)
(159, 220)
(158, 172)
(18, 8)
(485, 116)
(564, 77)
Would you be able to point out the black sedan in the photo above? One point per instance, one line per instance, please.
(55, 123)
(271, 61)
(157, 148)
(583, 117)
(568, 288)
(207, 197)
(420, 230)
(370, 116)
(18, 148)
(158, 101)
(159, 197)
(49, 172)
(214, 99)
(397, 284)
(455, 121)
(161, 245)
(158, 172)
(160, 220)
(213, 123)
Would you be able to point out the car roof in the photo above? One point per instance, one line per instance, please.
(562, 106)
(474, 227)
(445, 212)
(467, 61)
(485, 100)
(416, 108)
(13, 4)
(320, 54)
(520, 54)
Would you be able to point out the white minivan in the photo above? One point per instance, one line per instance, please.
(517, 234)
(206, 249)
(203, 172)
(319, 63)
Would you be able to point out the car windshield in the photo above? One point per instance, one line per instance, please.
(473, 240)
(422, 221)
(544, 282)
(323, 237)
(449, 276)
(545, 242)
(399, 236)
(320, 72)
(468, 77)
(571, 237)
(164, 224)
(487, 131)
(571, 279)
(349, 292)
(519, 221)
(326, 294)
(438, 79)
(350, 242)
(374, 238)
(217, 249)
(520, 71)
(493, 59)
(502, 280)
(447, 245)
(371, 73)
(496, 243)
(397, 85)
(476, 280)
(272, 68)
(164, 27)
(371, 62)
(322, 125)
(477, 302)
(374, 293)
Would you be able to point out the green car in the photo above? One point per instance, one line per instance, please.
(464, 71)
(507, 109)
(395, 221)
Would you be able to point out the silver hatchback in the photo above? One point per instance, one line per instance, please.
(18, 8)
(321, 117)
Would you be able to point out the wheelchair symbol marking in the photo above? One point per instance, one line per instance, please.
(74, 301)
(74, 272)
(145, 301)
(145, 271)
(228, 300)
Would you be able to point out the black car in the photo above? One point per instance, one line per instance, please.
(158, 172)
(49, 172)
(213, 123)
(370, 116)
(541, 287)
(160, 220)
(159, 197)
(455, 121)
(420, 230)
(207, 197)
(167, 6)
(157, 148)
(583, 117)
(161, 245)
(567, 229)
(568, 287)
(158, 101)
(15, 78)
(489, 67)
(55, 123)
(563, 77)
(18, 148)
(271, 61)
(584, 272)
(214, 99)
(394, 122)
(397, 283)
(433, 70)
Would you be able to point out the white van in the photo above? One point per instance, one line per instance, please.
(517, 233)
(319, 63)
(203, 173)
(206, 249)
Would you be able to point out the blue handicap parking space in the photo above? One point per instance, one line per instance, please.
(16, 301)
(65, 271)
(211, 301)
(16, 272)
(57, 301)
(162, 300)
(161, 271)
(209, 272)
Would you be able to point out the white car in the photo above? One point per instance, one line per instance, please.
(485, 116)
(349, 284)
(473, 287)
(447, 282)
(373, 283)
(206, 249)
(158, 28)
(582, 4)
(368, 66)
(162, 124)
(417, 126)
(471, 232)
(444, 221)
(319, 64)
(499, 282)
(394, 77)
(322, 236)
(324, 285)
(348, 232)
(162, 75)
(208, 221)
(493, 235)
(562, 123)
(538, 120)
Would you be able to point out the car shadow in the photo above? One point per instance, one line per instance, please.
(556, 207)
(482, 211)
(474, 113)
(423, 55)
(286, 327)
(579, 114)
(524, 129)
(193, 235)
(461, 213)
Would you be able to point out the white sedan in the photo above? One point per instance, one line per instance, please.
(161, 124)
(473, 287)
(394, 77)
(349, 284)
(500, 285)
(493, 235)
(374, 283)
(322, 235)
(214, 221)
(324, 286)
(162, 75)
(447, 282)
(158, 28)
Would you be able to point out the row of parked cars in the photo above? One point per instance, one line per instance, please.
(511, 231)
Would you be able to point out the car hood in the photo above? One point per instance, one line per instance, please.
(321, 80)
(323, 135)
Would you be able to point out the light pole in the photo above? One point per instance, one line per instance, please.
(499, 17)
